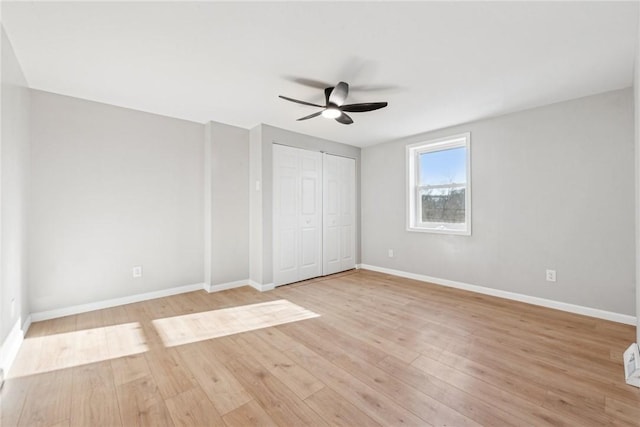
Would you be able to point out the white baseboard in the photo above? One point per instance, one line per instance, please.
(261, 287)
(563, 306)
(11, 344)
(26, 325)
(83, 308)
(225, 286)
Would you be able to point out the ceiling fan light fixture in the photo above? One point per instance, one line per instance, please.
(335, 107)
(331, 113)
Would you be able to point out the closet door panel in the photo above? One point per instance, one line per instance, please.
(285, 214)
(348, 213)
(339, 214)
(331, 215)
(297, 214)
(310, 215)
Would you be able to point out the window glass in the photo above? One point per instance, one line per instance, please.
(439, 191)
(443, 177)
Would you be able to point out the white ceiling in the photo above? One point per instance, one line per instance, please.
(437, 63)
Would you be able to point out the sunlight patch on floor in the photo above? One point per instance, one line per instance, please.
(66, 350)
(202, 326)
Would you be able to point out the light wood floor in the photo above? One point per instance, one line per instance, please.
(383, 351)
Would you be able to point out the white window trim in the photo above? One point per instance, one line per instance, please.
(414, 150)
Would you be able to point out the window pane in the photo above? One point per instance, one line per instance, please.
(442, 185)
(443, 167)
(439, 185)
(442, 204)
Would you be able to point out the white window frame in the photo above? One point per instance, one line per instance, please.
(414, 151)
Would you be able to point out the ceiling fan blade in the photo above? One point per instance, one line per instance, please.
(339, 94)
(373, 88)
(365, 106)
(300, 102)
(327, 94)
(344, 119)
(310, 116)
(317, 84)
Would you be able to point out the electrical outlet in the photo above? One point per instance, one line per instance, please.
(551, 275)
(13, 307)
(137, 271)
(391, 255)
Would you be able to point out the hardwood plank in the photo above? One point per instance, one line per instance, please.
(467, 404)
(529, 411)
(360, 330)
(94, 400)
(404, 395)
(301, 382)
(501, 374)
(89, 320)
(276, 338)
(622, 410)
(543, 376)
(129, 368)
(60, 325)
(169, 372)
(124, 339)
(337, 411)
(115, 315)
(331, 342)
(193, 408)
(282, 405)
(572, 408)
(221, 387)
(141, 404)
(550, 372)
(12, 397)
(90, 346)
(373, 403)
(37, 329)
(49, 399)
(250, 414)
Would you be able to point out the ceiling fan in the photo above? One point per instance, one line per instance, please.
(335, 108)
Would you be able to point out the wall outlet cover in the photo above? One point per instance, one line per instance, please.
(551, 275)
(137, 271)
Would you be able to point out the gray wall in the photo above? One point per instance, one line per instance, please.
(112, 188)
(229, 203)
(553, 188)
(636, 87)
(262, 142)
(14, 181)
(255, 205)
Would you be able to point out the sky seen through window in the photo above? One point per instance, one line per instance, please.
(443, 167)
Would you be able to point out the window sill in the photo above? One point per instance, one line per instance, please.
(439, 231)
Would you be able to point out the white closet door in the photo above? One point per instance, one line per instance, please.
(347, 214)
(331, 214)
(338, 214)
(285, 218)
(310, 215)
(297, 214)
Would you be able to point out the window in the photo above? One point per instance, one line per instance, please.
(439, 185)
